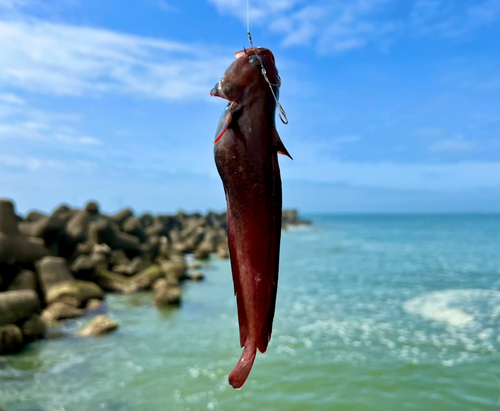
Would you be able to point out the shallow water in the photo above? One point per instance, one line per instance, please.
(373, 313)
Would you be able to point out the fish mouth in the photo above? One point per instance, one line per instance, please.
(217, 92)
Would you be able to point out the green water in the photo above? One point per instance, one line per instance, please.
(373, 313)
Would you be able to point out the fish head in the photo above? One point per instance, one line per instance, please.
(244, 81)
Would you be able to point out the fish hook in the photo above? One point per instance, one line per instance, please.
(282, 113)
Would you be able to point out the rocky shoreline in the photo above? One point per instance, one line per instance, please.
(59, 266)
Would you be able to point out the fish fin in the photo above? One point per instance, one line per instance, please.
(242, 315)
(224, 122)
(265, 336)
(217, 138)
(273, 260)
(285, 154)
(279, 145)
(242, 369)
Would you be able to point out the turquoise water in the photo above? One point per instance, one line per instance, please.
(373, 313)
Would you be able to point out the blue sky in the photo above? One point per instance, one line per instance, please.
(394, 106)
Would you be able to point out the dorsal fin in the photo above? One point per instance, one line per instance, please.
(279, 144)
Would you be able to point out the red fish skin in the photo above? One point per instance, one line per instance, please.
(246, 158)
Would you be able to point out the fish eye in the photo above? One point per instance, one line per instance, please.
(253, 60)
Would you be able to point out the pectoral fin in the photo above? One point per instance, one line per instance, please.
(225, 120)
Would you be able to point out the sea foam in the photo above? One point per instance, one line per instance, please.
(448, 305)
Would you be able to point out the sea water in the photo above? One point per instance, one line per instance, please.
(374, 312)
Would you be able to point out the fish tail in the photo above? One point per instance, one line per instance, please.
(242, 369)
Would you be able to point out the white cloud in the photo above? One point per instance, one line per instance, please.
(452, 145)
(317, 163)
(11, 98)
(341, 25)
(486, 12)
(258, 8)
(329, 26)
(483, 84)
(335, 143)
(32, 164)
(20, 121)
(301, 27)
(45, 132)
(403, 176)
(495, 142)
(345, 139)
(10, 4)
(29, 163)
(69, 60)
(164, 6)
(449, 19)
(430, 132)
(80, 140)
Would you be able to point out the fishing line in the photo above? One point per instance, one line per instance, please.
(248, 17)
(281, 113)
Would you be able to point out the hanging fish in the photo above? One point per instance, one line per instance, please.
(246, 148)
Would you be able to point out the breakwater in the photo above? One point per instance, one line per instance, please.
(59, 266)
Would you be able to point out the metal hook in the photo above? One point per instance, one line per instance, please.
(282, 113)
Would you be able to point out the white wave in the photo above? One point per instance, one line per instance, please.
(299, 227)
(441, 305)
(63, 366)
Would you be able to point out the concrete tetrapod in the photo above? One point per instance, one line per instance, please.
(15, 247)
